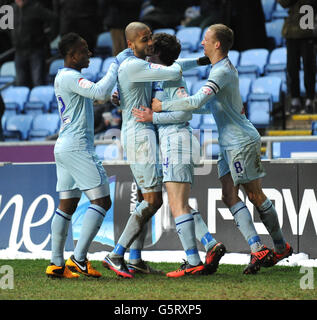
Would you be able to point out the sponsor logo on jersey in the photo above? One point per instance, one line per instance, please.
(84, 83)
(181, 92)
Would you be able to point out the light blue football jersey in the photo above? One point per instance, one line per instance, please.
(222, 95)
(135, 77)
(75, 96)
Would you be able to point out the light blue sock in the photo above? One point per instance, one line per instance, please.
(269, 218)
(185, 227)
(201, 231)
(245, 224)
(91, 224)
(59, 228)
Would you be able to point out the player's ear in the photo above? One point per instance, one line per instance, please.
(130, 44)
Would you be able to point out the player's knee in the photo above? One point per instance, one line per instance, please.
(256, 198)
(104, 203)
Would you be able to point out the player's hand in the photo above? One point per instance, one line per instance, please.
(126, 53)
(203, 61)
(143, 114)
(156, 105)
(115, 98)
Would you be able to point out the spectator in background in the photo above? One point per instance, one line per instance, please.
(246, 18)
(211, 12)
(2, 107)
(80, 16)
(119, 13)
(299, 43)
(30, 41)
(166, 13)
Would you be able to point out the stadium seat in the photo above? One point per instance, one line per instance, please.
(259, 109)
(245, 88)
(18, 95)
(165, 30)
(279, 12)
(104, 44)
(252, 62)
(18, 127)
(199, 72)
(276, 65)
(105, 66)
(8, 69)
(274, 30)
(53, 69)
(44, 125)
(54, 46)
(108, 152)
(44, 94)
(268, 8)
(208, 122)
(195, 121)
(234, 57)
(91, 73)
(11, 108)
(34, 107)
(267, 84)
(189, 38)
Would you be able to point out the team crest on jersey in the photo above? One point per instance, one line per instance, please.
(84, 83)
(181, 92)
(207, 90)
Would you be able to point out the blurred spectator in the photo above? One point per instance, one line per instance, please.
(30, 41)
(80, 16)
(299, 43)
(119, 13)
(107, 116)
(246, 18)
(166, 13)
(211, 12)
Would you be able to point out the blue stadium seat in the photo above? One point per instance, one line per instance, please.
(276, 65)
(195, 121)
(245, 88)
(234, 57)
(199, 72)
(53, 69)
(44, 125)
(189, 38)
(268, 8)
(108, 152)
(91, 73)
(34, 107)
(279, 12)
(44, 94)
(18, 127)
(259, 109)
(165, 30)
(267, 84)
(104, 44)
(18, 95)
(8, 70)
(274, 30)
(208, 122)
(252, 62)
(105, 66)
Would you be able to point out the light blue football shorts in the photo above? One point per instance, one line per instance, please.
(243, 163)
(179, 150)
(79, 171)
(143, 157)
